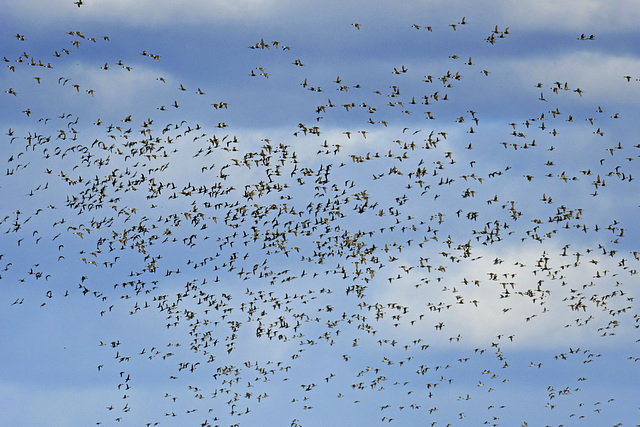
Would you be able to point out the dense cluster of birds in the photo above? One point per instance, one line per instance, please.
(381, 263)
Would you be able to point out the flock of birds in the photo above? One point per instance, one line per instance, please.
(372, 263)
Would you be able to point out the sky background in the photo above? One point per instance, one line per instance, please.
(427, 218)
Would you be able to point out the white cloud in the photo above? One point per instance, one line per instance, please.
(150, 12)
(120, 90)
(580, 15)
(599, 75)
(531, 324)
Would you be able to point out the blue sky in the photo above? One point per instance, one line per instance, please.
(395, 222)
